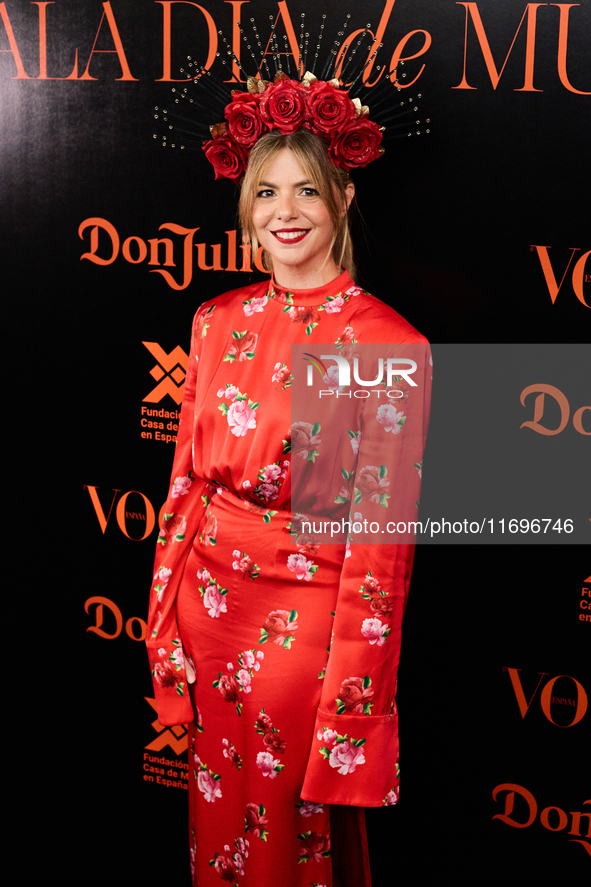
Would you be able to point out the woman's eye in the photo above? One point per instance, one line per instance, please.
(309, 192)
(266, 192)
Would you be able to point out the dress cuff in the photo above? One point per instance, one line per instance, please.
(353, 761)
(171, 690)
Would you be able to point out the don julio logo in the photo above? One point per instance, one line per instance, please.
(563, 405)
(554, 819)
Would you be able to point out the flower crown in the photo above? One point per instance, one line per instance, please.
(286, 105)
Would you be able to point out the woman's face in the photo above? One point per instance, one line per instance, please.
(293, 224)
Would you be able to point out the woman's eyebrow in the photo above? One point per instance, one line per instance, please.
(296, 185)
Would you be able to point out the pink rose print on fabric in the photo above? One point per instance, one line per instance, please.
(251, 660)
(391, 419)
(355, 695)
(270, 479)
(345, 758)
(208, 784)
(331, 378)
(272, 472)
(375, 631)
(231, 754)
(281, 375)
(214, 602)
(268, 492)
(268, 765)
(314, 846)
(241, 418)
(241, 854)
(354, 291)
(309, 808)
(254, 306)
(229, 392)
(177, 657)
(180, 487)
(278, 628)
(392, 797)
(245, 564)
(238, 682)
(255, 821)
(244, 679)
(346, 754)
(161, 578)
(372, 483)
(334, 306)
(214, 596)
(354, 440)
(301, 566)
(305, 437)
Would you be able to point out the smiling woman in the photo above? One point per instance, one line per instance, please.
(283, 652)
(292, 194)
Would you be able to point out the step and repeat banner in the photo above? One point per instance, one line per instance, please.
(477, 232)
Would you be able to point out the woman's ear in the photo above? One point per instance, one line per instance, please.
(349, 195)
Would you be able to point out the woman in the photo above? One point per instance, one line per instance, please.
(291, 646)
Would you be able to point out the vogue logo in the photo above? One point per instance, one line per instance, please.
(555, 819)
(542, 390)
(123, 512)
(105, 246)
(549, 697)
(169, 373)
(579, 274)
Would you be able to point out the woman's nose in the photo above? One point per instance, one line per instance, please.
(286, 207)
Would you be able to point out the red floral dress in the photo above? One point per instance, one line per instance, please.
(294, 642)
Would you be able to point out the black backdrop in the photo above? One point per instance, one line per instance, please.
(476, 233)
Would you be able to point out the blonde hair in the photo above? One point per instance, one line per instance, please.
(329, 180)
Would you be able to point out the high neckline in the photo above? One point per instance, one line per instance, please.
(317, 295)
